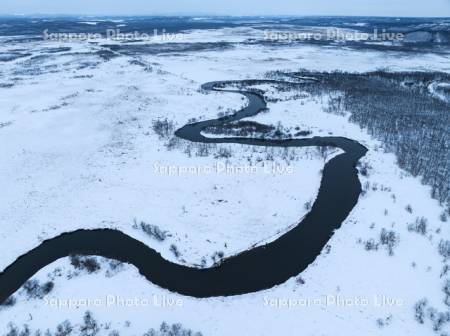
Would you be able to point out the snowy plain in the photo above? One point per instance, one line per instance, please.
(79, 151)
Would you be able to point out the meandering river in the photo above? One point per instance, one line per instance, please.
(253, 270)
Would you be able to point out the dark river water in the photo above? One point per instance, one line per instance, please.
(253, 270)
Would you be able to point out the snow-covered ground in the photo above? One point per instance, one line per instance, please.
(78, 151)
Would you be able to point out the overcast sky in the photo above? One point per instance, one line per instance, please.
(230, 7)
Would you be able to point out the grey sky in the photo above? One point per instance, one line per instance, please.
(230, 7)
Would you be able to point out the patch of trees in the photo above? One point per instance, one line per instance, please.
(91, 327)
(251, 129)
(388, 239)
(152, 230)
(174, 249)
(36, 290)
(240, 128)
(424, 313)
(419, 226)
(9, 302)
(163, 128)
(172, 330)
(88, 264)
(444, 248)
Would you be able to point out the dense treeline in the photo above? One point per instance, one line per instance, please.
(401, 110)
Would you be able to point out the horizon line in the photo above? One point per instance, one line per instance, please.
(187, 14)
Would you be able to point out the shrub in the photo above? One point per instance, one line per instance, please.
(438, 318)
(371, 245)
(409, 208)
(202, 150)
(389, 239)
(364, 169)
(64, 329)
(174, 142)
(300, 281)
(90, 326)
(9, 302)
(308, 206)
(223, 153)
(217, 256)
(419, 311)
(115, 264)
(88, 264)
(175, 251)
(446, 291)
(153, 231)
(163, 128)
(173, 330)
(34, 290)
(381, 323)
(444, 248)
(14, 331)
(419, 226)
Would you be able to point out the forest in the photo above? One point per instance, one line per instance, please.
(401, 109)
